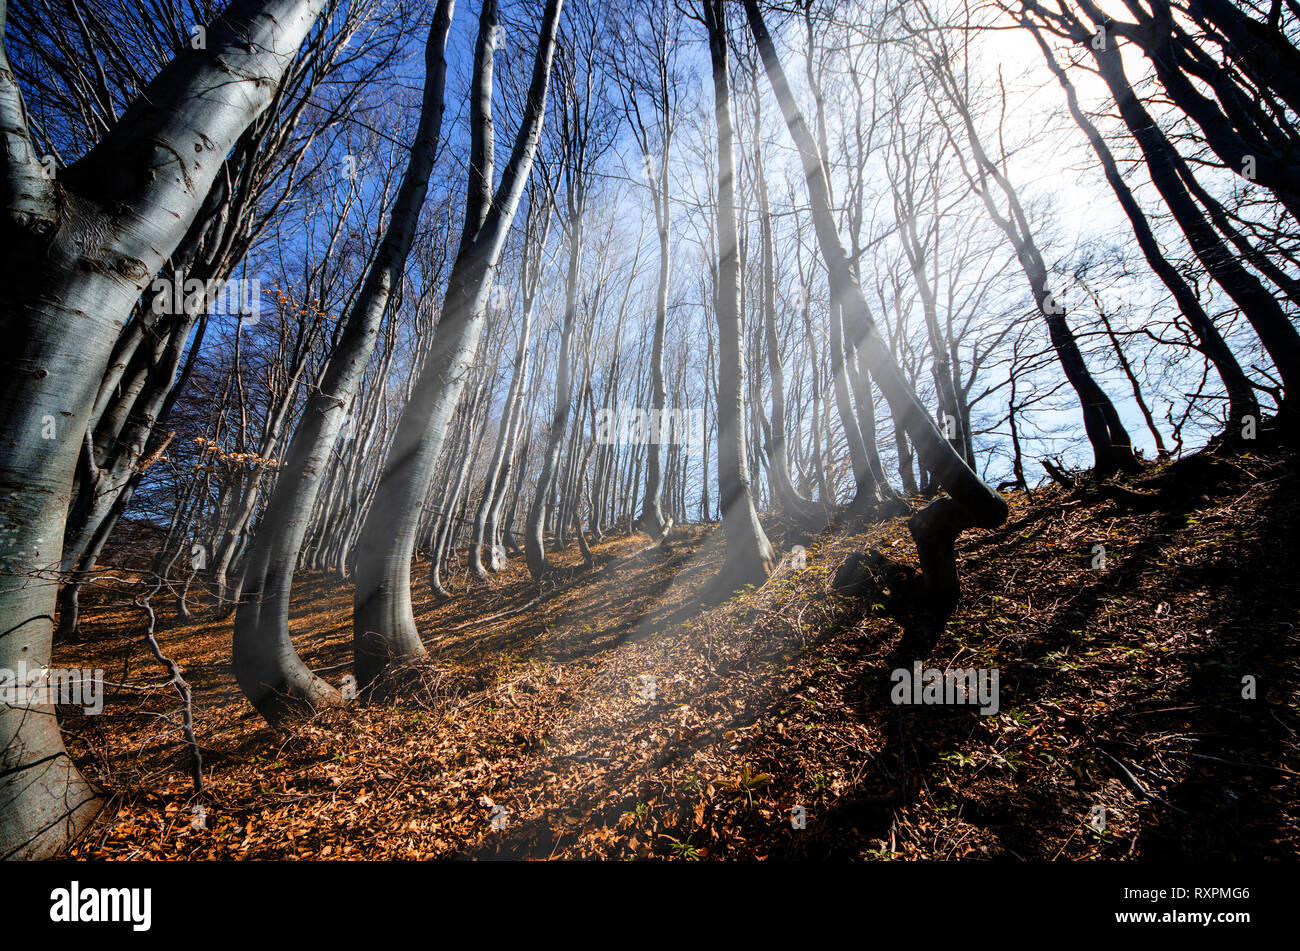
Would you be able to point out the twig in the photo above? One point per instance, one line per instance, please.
(182, 688)
(1228, 762)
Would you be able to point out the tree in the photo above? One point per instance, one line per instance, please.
(535, 231)
(1111, 445)
(1241, 396)
(268, 669)
(85, 246)
(1173, 179)
(384, 629)
(970, 501)
(648, 77)
(580, 145)
(750, 556)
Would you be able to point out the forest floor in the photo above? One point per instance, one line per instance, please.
(612, 717)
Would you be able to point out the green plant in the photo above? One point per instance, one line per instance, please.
(683, 848)
(745, 785)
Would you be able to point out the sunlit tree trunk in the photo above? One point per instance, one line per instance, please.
(80, 254)
(383, 623)
(750, 556)
(970, 501)
(267, 667)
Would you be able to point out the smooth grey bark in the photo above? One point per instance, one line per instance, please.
(970, 501)
(384, 628)
(81, 252)
(141, 385)
(102, 492)
(447, 521)
(536, 231)
(267, 667)
(793, 505)
(534, 541)
(650, 71)
(750, 557)
(235, 534)
(578, 151)
(492, 527)
(491, 483)
(652, 516)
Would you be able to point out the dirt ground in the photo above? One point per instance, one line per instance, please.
(608, 715)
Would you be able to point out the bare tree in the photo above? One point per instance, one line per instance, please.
(970, 501)
(750, 556)
(267, 667)
(85, 247)
(383, 624)
(581, 142)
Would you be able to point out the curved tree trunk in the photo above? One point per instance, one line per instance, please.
(268, 669)
(492, 527)
(795, 506)
(383, 622)
(498, 468)
(1111, 445)
(73, 272)
(970, 501)
(1275, 330)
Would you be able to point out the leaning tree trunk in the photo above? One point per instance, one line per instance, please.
(482, 537)
(537, 227)
(383, 623)
(1273, 327)
(750, 556)
(268, 669)
(80, 253)
(534, 531)
(970, 502)
(1112, 447)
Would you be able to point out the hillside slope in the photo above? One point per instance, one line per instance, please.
(608, 717)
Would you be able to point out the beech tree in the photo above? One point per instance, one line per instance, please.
(1177, 185)
(384, 628)
(85, 247)
(970, 501)
(267, 667)
(1242, 402)
(750, 556)
(580, 143)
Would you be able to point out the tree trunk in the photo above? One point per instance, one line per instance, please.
(1241, 396)
(267, 667)
(970, 501)
(534, 531)
(383, 623)
(81, 252)
(750, 557)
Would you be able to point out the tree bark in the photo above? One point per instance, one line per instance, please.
(383, 623)
(82, 251)
(750, 557)
(267, 667)
(970, 501)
